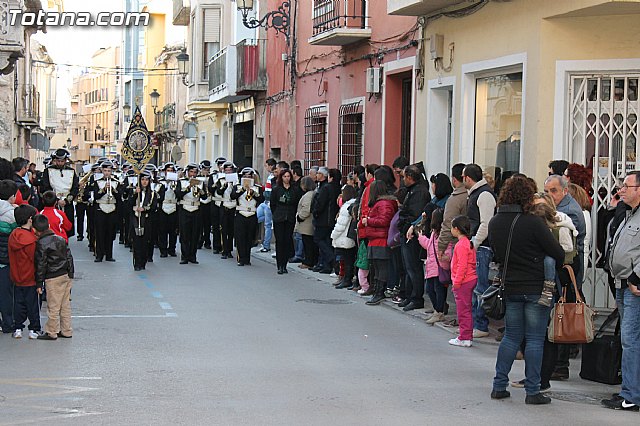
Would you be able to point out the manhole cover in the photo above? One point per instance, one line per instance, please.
(581, 398)
(326, 302)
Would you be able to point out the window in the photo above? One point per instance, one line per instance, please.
(350, 137)
(202, 149)
(498, 123)
(315, 137)
(211, 38)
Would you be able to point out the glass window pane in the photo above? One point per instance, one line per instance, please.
(592, 89)
(606, 90)
(498, 122)
(632, 89)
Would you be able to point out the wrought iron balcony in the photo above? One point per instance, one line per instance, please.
(181, 9)
(339, 22)
(28, 105)
(237, 71)
(419, 7)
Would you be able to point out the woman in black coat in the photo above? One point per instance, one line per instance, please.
(525, 318)
(284, 204)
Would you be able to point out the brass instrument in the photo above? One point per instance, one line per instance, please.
(194, 186)
(109, 190)
(82, 185)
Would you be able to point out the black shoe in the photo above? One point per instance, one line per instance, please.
(344, 284)
(173, 254)
(150, 260)
(295, 260)
(195, 262)
(375, 300)
(500, 394)
(247, 263)
(618, 403)
(97, 260)
(216, 251)
(369, 292)
(404, 303)
(80, 238)
(412, 305)
(280, 271)
(163, 255)
(184, 261)
(560, 375)
(285, 270)
(537, 399)
(63, 336)
(45, 336)
(240, 263)
(326, 271)
(316, 269)
(224, 256)
(111, 259)
(137, 268)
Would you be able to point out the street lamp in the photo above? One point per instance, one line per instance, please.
(154, 99)
(276, 19)
(126, 110)
(183, 66)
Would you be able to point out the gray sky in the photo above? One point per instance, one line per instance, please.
(76, 45)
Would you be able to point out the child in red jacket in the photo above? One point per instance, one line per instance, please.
(22, 247)
(58, 220)
(463, 278)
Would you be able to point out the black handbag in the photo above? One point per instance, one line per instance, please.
(493, 300)
(602, 358)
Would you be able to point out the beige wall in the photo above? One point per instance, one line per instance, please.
(523, 27)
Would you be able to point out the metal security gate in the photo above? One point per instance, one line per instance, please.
(350, 134)
(315, 137)
(603, 136)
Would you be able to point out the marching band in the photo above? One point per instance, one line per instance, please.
(207, 205)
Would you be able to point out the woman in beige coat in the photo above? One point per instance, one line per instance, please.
(304, 223)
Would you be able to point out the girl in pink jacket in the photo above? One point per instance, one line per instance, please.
(464, 279)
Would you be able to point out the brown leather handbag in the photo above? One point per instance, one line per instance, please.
(571, 322)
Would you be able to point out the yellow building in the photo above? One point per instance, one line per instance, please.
(94, 118)
(513, 85)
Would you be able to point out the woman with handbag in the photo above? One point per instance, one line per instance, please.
(520, 242)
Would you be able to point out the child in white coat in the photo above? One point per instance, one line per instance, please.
(345, 247)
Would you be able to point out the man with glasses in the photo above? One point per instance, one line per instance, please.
(624, 263)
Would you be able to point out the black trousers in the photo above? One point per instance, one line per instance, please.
(127, 230)
(151, 230)
(70, 212)
(216, 221)
(189, 234)
(244, 233)
(81, 210)
(284, 242)
(378, 274)
(167, 232)
(228, 224)
(105, 231)
(310, 251)
(91, 234)
(348, 260)
(25, 305)
(205, 220)
(140, 247)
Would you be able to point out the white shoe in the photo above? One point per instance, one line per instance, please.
(33, 334)
(436, 317)
(362, 291)
(458, 342)
(17, 334)
(478, 333)
(273, 255)
(333, 275)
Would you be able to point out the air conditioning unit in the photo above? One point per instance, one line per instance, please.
(374, 80)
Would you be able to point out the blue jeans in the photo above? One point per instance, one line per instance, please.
(322, 238)
(298, 246)
(264, 216)
(629, 308)
(437, 293)
(526, 319)
(484, 255)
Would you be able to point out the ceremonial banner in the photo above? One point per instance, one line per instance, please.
(137, 148)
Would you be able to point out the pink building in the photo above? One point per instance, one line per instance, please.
(351, 99)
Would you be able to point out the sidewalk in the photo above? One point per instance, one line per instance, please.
(419, 314)
(573, 390)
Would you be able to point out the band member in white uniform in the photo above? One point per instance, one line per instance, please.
(223, 188)
(216, 206)
(189, 192)
(205, 206)
(168, 213)
(106, 193)
(248, 196)
(63, 180)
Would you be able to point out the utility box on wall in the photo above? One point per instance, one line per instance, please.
(374, 80)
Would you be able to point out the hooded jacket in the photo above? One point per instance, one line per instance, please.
(380, 215)
(22, 248)
(7, 225)
(58, 222)
(340, 231)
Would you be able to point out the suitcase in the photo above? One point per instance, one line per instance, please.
(602, 358)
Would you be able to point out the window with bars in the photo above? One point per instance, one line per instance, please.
(315, 137)
(350, 133)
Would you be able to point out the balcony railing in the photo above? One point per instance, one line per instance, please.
(419, 7)
(181, 10)
(237, 71)
(28, 105)
(252, 65)
(339, 22)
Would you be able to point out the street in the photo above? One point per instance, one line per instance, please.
(215, 344)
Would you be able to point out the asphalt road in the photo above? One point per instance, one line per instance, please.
(215, 344)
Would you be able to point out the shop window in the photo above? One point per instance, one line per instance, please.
(498, 121)
(350, 133)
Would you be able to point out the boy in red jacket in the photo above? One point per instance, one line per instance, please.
(22, 247)
(58, 220)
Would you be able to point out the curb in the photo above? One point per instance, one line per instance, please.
(417, 314)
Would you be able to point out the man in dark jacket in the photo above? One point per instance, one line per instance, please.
(417, 197)
(324, 208)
